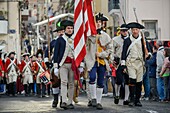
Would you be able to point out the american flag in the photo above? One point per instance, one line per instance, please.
(84, 26)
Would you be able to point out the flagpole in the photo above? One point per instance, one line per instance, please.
(97, 36)
(48, 34)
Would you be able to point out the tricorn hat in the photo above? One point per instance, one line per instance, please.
(66, 23)
(12, 52)
(26, 54)
(59, 28)
(123, 27)
(135, 25)
(99, 16)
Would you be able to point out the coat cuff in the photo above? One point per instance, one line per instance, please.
(46, 59)
(150, 54)
(123, 62)
(55, 65)
(82, 64)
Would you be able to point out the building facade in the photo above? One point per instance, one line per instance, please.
(153, 14)
(10, 32)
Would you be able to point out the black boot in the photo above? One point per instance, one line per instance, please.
(26, 89)
(39, 90)
(7, 89)
(89, 103)
(43, 90)
(55, 101)
(132, 96)
(116, 99)
(10, 89)
(30, 88)
(138, 94)
(99, 106)
(60, 101)
(14, 89)
(94, 102)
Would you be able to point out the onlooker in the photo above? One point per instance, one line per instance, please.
(146, 83)
(152, 73)
(113, 78)
(160, 60)
(165, 72)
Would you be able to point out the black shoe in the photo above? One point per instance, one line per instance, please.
(63, 105)
(70, 106)
(54, 105)
(126, 102)
(99, 106)
(94, 102)
(116, 99)
(131, 104)
(14, 95)
(89, 103)
(26, 95)
(138, 104)
(39, 96)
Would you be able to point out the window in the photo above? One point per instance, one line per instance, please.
(151, 27)
(113, 4)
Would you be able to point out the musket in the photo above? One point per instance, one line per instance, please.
(143, 38)
(134, 9)
(122, 14)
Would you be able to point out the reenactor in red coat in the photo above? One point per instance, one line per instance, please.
(27, 75)
(1, 70)
(11, 68)
(40, 67)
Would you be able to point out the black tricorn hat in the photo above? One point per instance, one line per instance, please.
(12, 52)
(135, 25)
(66, 23)
(25, 54)
(39, 52)
(105, 18)
(59, 29)
(99, 16)
(123, 27)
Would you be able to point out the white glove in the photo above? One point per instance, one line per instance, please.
(80, 69)
(56, 72)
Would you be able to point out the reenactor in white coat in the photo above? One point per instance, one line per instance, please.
(121, 78)
(96, 60)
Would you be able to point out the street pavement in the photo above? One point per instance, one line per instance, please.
(22, 104)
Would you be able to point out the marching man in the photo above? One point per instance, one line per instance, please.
(132, 60)
(11, 67)
(39, 69)
(63, 63)
(55, 80)
(1, 70)
(26, 71)
(96, 61)
(121, 78)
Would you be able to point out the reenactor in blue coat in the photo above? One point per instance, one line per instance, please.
(63, 60)
(59, 31)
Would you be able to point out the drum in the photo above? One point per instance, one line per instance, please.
(45, 77)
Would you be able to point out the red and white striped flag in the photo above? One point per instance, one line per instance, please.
(83, 26)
